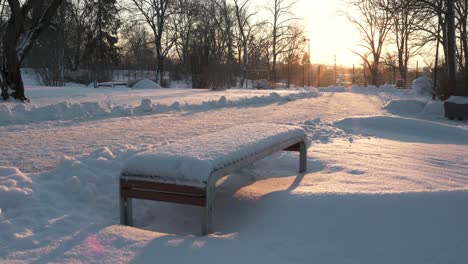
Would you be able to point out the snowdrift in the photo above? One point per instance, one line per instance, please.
(405, 129)
(17, 113)
(405, 106)
(146, 84)
(415, 107)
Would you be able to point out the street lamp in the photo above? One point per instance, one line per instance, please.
(308, 64)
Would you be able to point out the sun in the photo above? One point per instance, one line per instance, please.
(330, 32)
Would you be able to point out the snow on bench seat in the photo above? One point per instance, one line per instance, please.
(186, 172)
(192, 161)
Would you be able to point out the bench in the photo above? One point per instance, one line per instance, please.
(110, 84)
(186, 172)
(456, 107)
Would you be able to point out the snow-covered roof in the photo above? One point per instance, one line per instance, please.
(458, 99)
(193, 160)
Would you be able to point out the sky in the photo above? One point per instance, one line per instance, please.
(329, 31)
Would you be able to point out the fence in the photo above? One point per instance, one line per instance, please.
(329, 75)
(317, 75)
(132, 75)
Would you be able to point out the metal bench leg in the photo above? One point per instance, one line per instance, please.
(126, 211)
(207, 227)
(303, 157)
(123, 209)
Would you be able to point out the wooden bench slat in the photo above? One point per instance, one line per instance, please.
(164, 197)
(162, 187)
(148, 188)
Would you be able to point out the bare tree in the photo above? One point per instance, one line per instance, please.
(3, 18)
(138, 46)
(444, 31)
(282, 14)
(246, 27)
(3, 11)
(294, 48)
(26, 23)
(227, 25)
(77, 22)
(451, 43)
(156, 14)
(461, 8)
(408, 18)
(374, 21)
(182, 24)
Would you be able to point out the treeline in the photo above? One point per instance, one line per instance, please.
(213, 43)
(395, 31)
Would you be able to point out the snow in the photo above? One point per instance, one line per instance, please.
(381, 187)
(405, 106)
(87, 108)
(434, 108)
(458, 100)
(193, 160)
(390, 89)
(423, 86)
(146, 84)
(30, 77)
(15, 187)
(338, 89)
(405, 129)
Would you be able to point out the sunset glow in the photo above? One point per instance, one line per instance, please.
(330, 31)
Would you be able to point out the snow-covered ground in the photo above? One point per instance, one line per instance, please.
(387, 179)
(70, 103)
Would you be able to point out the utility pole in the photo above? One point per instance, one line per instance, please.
(417, 69)
(308, 61)
(335, 69)
(318, 80)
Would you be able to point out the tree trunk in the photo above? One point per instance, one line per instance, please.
(11, 68)
(18, 42)
(451, 46)
(160, 69)
(465, 45)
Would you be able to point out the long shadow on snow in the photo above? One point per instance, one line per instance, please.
(330, 228)
(405, 129)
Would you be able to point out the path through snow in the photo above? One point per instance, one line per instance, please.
(38, 147)
(372, 194)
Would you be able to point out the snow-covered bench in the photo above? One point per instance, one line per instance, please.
(110, 84)
(186, 172)
(456, 107)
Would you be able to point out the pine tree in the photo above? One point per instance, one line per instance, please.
(101, 51)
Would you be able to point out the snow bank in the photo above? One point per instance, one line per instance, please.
(418, 107)
(193, 160)
(405, 106)
(19, 113)
(423, 86)
(15, 187)
(16, 113)
(91, 177)
(434, 108)
(458, 99)
(405, 129)
(146, 84)
(321, 132)
(371, 89)
(332, 89)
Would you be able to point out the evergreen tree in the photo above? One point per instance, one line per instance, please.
(101, 52)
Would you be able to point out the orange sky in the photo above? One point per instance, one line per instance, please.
(330, 32)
